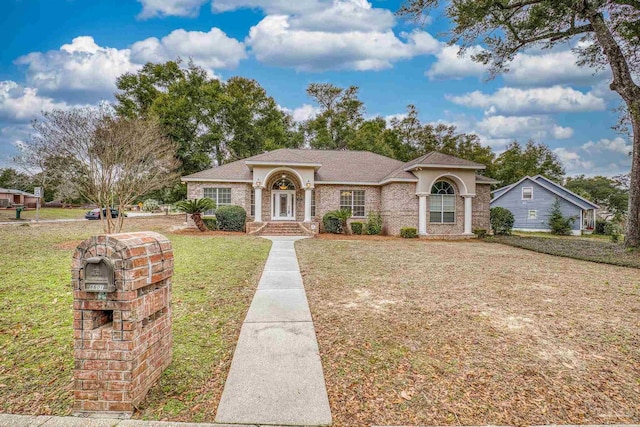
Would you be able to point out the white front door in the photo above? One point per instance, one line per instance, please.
(282, 202)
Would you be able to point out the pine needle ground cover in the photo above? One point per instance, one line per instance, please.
(472, 333)
(215, 278)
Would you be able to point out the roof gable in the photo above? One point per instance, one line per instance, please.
(550, 186)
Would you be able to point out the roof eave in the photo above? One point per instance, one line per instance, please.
(251, 163)
(437, 166)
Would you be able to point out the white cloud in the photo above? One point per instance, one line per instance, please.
(21, 104)
(85, 71)
(212, 50)
(302, 113)
(616, 145)
(275, 7)
(572, 161)
(522, 127)
(154, 8)
(345, 16)
(449, 65)
(274, 42)
(556, 99)
(82, 68)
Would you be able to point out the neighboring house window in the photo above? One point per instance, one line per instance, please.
(313, 203)
(442, 203)
(253, 202)
(222, 196)
(527, 193)
(533, 214)
(354, 201)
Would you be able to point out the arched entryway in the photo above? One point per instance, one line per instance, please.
(283, 199)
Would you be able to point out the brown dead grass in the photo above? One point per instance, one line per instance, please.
(470, 333)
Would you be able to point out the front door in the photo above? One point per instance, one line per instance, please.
(283, 205)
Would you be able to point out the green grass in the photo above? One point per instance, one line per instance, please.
(594, 249)
(45, 213)
(215, 278)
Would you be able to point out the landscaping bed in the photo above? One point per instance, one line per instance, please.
(471, 333)
(214, 281)
(587, 249)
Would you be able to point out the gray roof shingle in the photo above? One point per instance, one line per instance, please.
(336, 166)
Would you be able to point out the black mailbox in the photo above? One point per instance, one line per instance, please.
(99, 275)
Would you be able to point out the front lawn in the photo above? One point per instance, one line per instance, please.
(472, 333)
(588, 249)
(45, 214)
(214, 281)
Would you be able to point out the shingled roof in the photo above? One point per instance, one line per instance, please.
(333, 166)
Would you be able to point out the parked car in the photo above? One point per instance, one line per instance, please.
(95, 213)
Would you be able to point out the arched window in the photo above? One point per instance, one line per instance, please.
(442, 203)
(283, 183)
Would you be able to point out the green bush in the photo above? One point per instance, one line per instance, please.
(408, 232)
(150, 205)
(357, 227)
(374, 224)
(600, 225)
(558, 223)
(331, 223)
(501, 220)
(480, 232)
(211, 223)
(231, 218)
(614, 231)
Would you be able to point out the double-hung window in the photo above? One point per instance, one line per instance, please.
(527, 193)
(353, 200)
(533, 214)
(222, 196)
(442, 202)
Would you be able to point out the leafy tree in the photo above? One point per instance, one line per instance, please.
(341, 113)
(252, 121)
(517, 162)
(417, 139)
(558, 223)
(112, 160)
(601, 190)
(609, 29)
(195, 208)
(373, 135)
(11, 178)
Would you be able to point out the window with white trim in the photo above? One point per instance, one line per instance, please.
(533, 214)
(222, 196)
(442, 203)
(353, 200)
(253, 202)
(527, 193)
(313, 203)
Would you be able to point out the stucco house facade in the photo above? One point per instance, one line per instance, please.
(438, 194)
(530, 201)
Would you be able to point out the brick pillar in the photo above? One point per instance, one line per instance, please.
(122, 320)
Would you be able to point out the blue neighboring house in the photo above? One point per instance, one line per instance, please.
(531, 199)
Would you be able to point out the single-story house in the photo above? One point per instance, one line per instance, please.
(10, 197)
(436, 193)
(531, 199)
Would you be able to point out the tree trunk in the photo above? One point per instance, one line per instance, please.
(624, 85)
(197, 218)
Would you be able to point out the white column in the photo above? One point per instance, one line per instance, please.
(307, 204)
(258, 204)
(422, 215)
(468, 214)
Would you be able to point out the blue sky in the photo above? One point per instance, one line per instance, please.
(65, 53)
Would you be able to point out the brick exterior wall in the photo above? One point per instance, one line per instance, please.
(399, 207)
(328, 199)
(122, 343)
(481, 207)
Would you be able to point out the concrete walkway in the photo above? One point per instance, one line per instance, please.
(276, 376)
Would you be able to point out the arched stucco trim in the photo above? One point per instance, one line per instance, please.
(268, 176)
(459, 183)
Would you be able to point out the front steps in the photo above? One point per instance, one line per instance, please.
(282, 228)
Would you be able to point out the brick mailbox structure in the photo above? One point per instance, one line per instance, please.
(122, 320)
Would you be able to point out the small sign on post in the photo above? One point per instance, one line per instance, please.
(38, 193)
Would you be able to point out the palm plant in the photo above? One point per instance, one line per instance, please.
(343, 216)
(195, 208)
